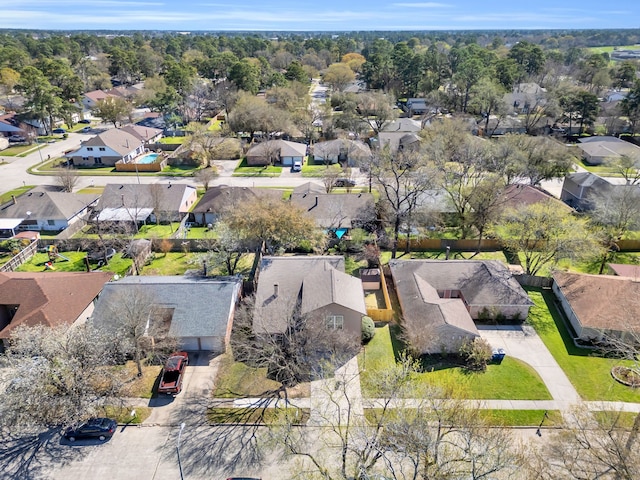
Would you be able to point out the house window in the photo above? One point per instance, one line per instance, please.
(97, 161)
(102, 149)
(90, 149)
(335, 322)
(51, 222)
(85, 159)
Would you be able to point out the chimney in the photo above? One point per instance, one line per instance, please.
(122, 199)
(276, 287)
(13, 199)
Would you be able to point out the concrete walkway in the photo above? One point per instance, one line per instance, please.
(523, 343)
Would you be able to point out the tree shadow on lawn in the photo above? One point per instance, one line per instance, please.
(32, 455)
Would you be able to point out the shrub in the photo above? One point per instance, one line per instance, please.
(368, 329)
(476, 354)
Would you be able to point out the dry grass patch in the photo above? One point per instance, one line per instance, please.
(139, 387)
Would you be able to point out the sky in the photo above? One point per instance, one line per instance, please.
(322, 15)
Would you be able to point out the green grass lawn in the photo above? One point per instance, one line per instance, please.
(498, 418)
(235, 379)
(610, 48)
(603, 170)
(5, 197)
(92, 190)
(75, 263)
(512, 379)
(265, 416)
(173, 140)
(243, 170)
(180, 170)
(318, 170)
(20, 150)
(157, 231)
(173, 263)
(589, 374)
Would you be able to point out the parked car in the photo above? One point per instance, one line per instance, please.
(58, 131)
(17, 138)
(172, 373)
(84, 120)
(344, 182)
(86, 129)
(297, 166)
(243, 478)
(100, 428)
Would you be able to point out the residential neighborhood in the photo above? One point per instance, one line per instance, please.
(339, 256)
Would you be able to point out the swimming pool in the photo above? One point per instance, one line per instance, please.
(148, 158)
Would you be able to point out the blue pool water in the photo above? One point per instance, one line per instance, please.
(148, 158)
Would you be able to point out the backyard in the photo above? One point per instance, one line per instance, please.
(74, 262)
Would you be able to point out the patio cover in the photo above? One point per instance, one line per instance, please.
(124, 214)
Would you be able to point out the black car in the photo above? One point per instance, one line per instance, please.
(84, 120)
(58, 131)
(100, 428)
(17, 138)
(344, 182)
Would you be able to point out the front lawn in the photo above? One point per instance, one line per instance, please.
(499, 418)
(512, 379)
(122, 415)
(243, 170)
(318, 170)
(5, 197)
(180, 170)
(237, 380)
(589, 374)
(19, 150)
(140, 387)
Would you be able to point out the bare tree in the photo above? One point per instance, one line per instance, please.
(205, 176)
(329, 177)
(628, 166)
(57, 375)
(403, 179)
(67, 179)
(305, 350)
(590, 447)
(139, 323)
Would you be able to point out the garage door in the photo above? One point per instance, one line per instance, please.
(212, 344)
(189, 343)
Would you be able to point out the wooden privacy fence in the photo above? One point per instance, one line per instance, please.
(463, 245)
(382, 314)
(21, 257)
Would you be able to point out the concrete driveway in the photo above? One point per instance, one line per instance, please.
(190, 405)
(523, 343)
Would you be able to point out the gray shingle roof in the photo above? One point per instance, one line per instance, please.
(324, 285)
(202, 306)
(335, 210)
(272, 311)
(219, 198)
(47, 205)
(119, 140)
(482, 283)
(169, 195)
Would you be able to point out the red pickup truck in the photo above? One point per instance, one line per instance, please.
(172, 373)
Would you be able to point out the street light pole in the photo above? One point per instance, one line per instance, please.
(178, 450)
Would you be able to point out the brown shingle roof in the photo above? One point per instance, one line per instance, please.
(48, 298)
(334, 210)
(601, 301)
(217, 199)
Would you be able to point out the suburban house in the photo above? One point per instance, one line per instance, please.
(146, 134)
(400, 134)
(335, 212)
(579, 189)
(108, 148)
(199, 310)
(280, 152)
(341, 150)
(9, 125)
(219, 199)
(90, 99)
(520, 194)
(164, 202)
(313, 285)
(598, 150)
(501, 125)
(444, 297)
(47, 298)
(598, 306)
(416, 106)
(40, 209)
(525, 97)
